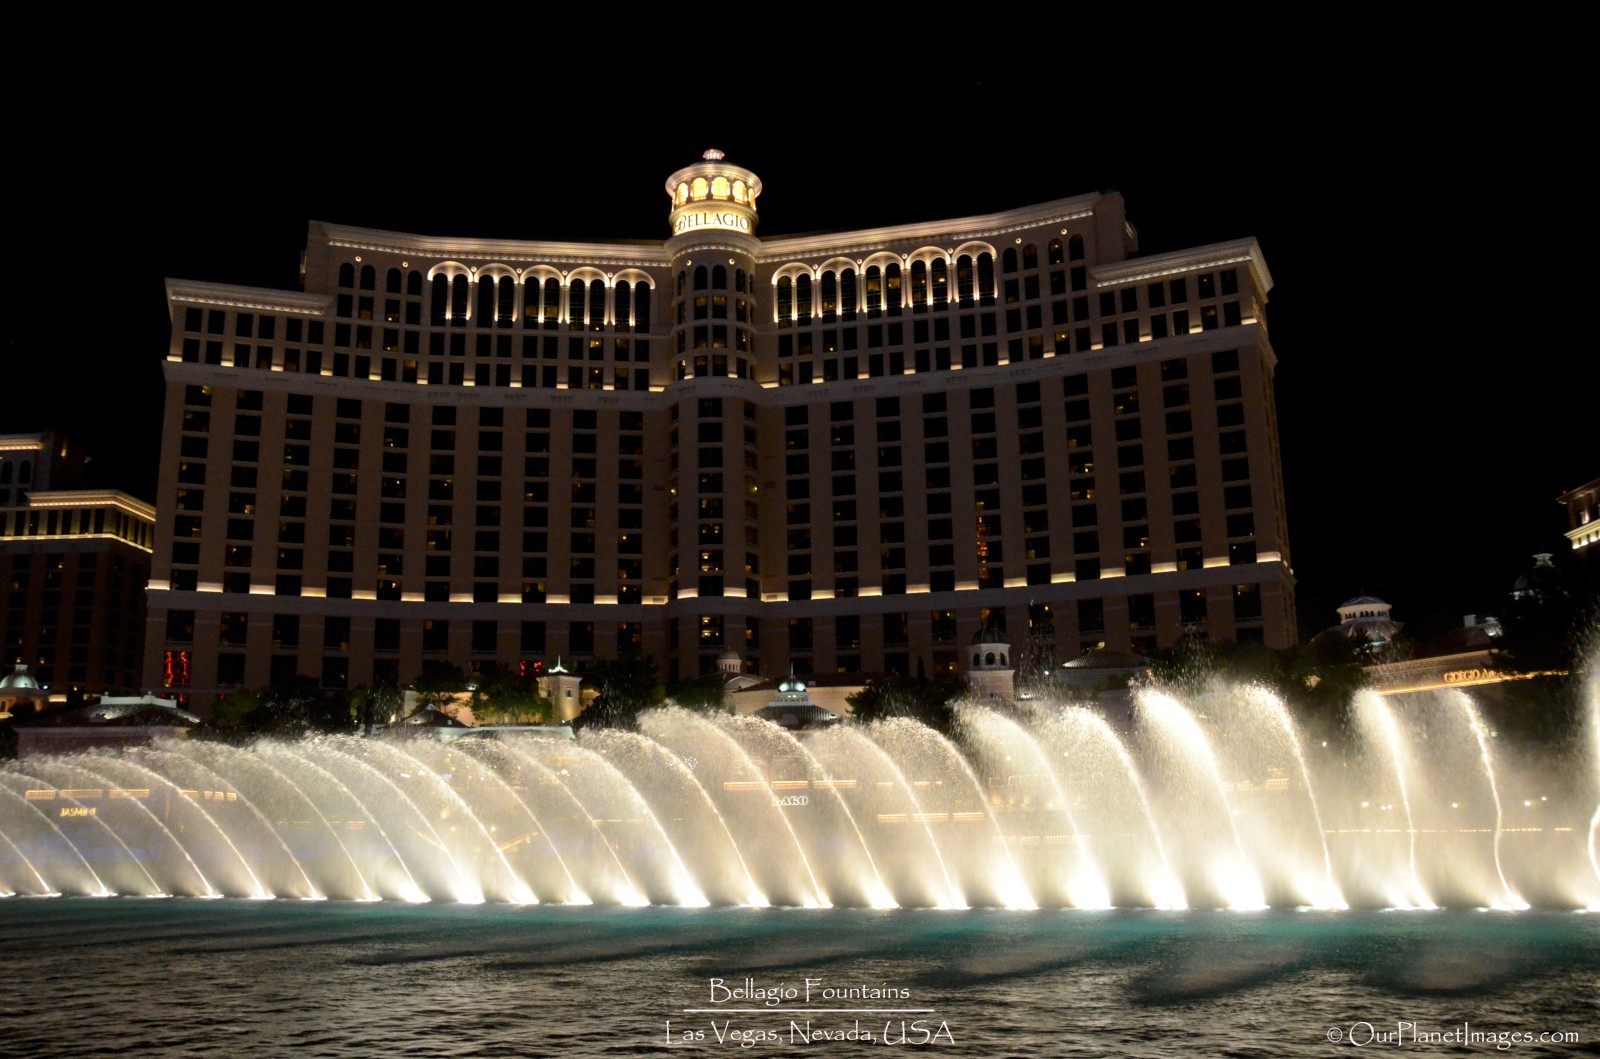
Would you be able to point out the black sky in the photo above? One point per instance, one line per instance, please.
(1432, 392)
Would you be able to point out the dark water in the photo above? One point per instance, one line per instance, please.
(234, 978)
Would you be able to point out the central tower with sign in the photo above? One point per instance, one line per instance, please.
(714, 564)
(713, 195)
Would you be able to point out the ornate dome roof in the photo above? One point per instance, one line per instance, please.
(1105, 658)
(988, 635)
(1543, 579)
(1361, 601)
(19, 680)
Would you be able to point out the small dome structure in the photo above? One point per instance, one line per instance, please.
(19, 680)
(793, 685)
(1367, 617)
(990, 649)
(19, 688)
(989, 671)
(1543, 580)
(1103, 658)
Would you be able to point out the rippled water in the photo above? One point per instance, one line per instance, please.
(226, 977)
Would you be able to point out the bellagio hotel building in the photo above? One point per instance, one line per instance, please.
(846, 453)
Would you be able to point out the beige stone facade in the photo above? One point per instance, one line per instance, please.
(846, 452)
(73, 567)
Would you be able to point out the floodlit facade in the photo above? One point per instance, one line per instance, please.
(1583, 518)
(847, 453)
(73, 565)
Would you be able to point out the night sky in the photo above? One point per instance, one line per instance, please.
(1432, 387)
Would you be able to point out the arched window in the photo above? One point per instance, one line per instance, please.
(891, 289)
(575, 301)
(829, 292)
(1056, 254)
(460, 299)
(988, 658)
(414, 284)
(738, 280)
(847, 294)
(964, 279)
(507, 302)
(719, 278)
(552, 302)
(369, 277)
(530, 302)
(485, 308)
(697, 190)
(874, 290)
(441, 298)
(802, 299)
(700, 277)
(623, 296)
(347, 275)
(939, 283)
(919, 284)
(641, 308)
(1008, 260)
(1075, 248)
(597, 305)
(719, 187)
(738, 191)
(785, 300)
(683, 194)
(1030, 256)
(986, 278)
(391, 281)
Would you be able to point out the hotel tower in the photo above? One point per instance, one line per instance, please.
(850, 452)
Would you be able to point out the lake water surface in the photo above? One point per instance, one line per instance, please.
(235, 978)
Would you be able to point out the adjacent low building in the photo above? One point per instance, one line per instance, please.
(114, 722)
(73, 567)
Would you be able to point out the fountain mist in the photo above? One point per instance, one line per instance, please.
(1213, 802)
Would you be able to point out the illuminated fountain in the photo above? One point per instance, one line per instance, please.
(1215, 802)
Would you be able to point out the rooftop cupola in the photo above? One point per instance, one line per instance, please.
(713, 196)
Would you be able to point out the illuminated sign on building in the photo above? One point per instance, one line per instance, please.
(693, 219)
(175, 668)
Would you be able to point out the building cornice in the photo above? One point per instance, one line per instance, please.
(1156, 266)
(957, 230)
(782, 248)
(261, 299)
(57, 498)
(490, 251)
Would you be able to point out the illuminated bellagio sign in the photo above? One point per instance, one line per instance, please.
(694, 219)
